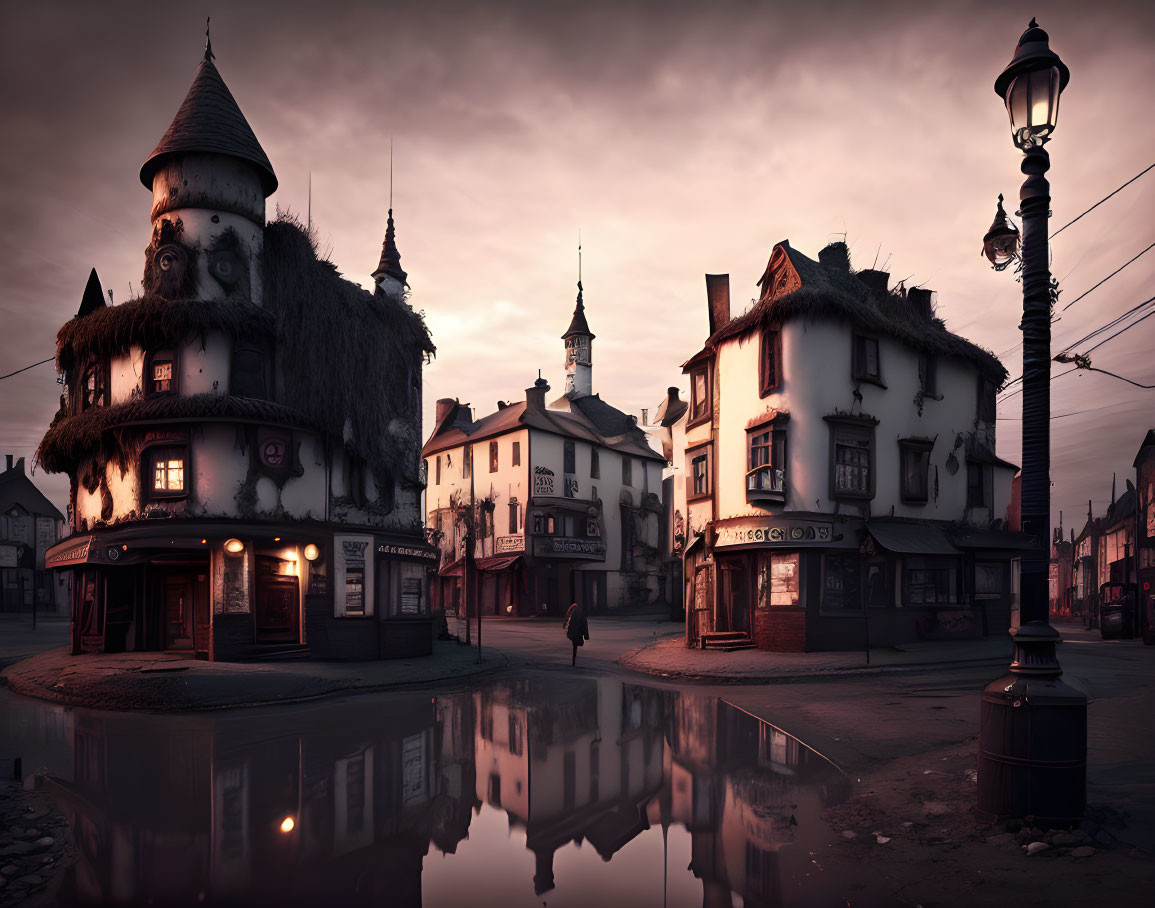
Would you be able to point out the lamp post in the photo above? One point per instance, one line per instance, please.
(1033, 726)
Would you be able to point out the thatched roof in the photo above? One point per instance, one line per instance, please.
(347, 355)
(829, 293)
(71, 439)
(151, 322)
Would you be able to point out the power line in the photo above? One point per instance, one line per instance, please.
(1020, 378)
(1120, 331)
(1107, 278)
(26, 368)
(1102, 200)
(1111, 324)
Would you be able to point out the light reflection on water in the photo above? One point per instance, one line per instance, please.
(575, 792)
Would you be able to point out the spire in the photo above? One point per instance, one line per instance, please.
(208, 39)
(93, 298)
(210, 121)
(390, 263)
(579, 325)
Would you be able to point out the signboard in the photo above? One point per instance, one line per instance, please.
(543, 481)
(515, 543)
(68, 553)
(777, 534)
(409, 551)
(568, 546)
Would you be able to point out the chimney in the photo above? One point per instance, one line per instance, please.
(535, 396)
(922, 302)
(876, 281)
(836, 256)
(718, 299)
(444, 406)
(645, 416)
(673, 393)
(9, 458)
(501, 405)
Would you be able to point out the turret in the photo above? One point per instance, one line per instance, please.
(209, 178)
(390, 277)
(579, 340)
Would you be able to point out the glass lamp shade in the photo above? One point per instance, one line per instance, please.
(1033, 104)
(1001, 243)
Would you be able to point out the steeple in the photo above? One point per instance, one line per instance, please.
(93, 298)
(390, 264)
(209, 121)
(578, 346)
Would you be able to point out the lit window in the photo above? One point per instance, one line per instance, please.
(167, 468)
(161, 374)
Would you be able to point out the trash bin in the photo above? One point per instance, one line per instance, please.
(1114, 621)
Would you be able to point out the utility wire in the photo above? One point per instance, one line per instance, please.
(1020, 378)
(1120, 331)
(1111, 324)
(1102, 200)
(1107, 278)
(26, 368)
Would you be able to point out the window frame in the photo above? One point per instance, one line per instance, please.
(986, 406)
(150, 456)
(693, 454)
(850, 426)
(438, 465)
(595, 464)
(569, 456)
(155, 357)
(985, 472)
(770, 372)
(493, 455)
(627, 471)
(466, 461)
(826, 599)
(858, 358)
(932, 564)
(928, 376)
(99, 395)
(775, 448)
(517, 454)
(701, 410)
(908, 447)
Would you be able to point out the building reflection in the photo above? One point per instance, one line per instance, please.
(220, 809)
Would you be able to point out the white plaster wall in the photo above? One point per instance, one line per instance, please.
(126, 371)
(205, 369)
(219, 468)
(817, 381)
(303, 497)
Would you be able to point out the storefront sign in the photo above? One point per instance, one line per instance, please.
(408, 551)
(778, 534)
(578, 546)
(543, 481)
(76, 553)
(514, 543)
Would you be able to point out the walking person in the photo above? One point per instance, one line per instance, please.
(576, 628)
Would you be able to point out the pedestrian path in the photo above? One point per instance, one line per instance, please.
(670, 658)
(167, 682)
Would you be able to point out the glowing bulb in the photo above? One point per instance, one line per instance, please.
(287, 825)
(234, 545)
(311, 552)
(276, 539)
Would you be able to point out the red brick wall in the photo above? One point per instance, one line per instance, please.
(781, 629)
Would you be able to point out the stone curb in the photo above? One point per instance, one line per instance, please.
(40, 692)
(825, 673)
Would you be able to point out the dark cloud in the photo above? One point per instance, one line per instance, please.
(680, 137)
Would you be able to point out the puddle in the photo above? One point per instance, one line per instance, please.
(574, 792)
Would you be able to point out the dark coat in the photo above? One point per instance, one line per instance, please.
(576, 626)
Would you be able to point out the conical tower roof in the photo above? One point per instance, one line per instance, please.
(93, 298)
(578, 325)
(209, 121)
(390, 263)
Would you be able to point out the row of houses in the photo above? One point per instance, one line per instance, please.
(244, 443)
(1109, 565)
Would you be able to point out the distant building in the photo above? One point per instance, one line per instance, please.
(567, 498)
(1144, 465)
(839, 465)
(243, 438)
(30, 524)
(1061, 578)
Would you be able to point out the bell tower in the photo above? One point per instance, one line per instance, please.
(579, 341)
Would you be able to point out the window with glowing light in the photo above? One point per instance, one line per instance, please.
(160, 374)
(166, 471)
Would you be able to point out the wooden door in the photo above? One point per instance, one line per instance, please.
(278, 614)
(178, 598)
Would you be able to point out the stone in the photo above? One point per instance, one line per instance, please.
(1083, 851)
(8, 870)
(882, 839)
(849, 834)
(17, 848)
(45, 841)
(1066, 838)
(1002, 840)
(1037, 848)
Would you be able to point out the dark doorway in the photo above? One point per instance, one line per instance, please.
(278, 612)
(733, 607)
(185, 604)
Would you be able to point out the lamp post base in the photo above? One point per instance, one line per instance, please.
(1033, 736)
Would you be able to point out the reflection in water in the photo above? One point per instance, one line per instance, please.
(342, 803)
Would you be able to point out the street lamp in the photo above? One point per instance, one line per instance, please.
(1033, 726)
(1001, 243)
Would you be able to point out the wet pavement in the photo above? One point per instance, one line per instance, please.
(564, 791)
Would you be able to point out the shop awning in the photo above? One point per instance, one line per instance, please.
(73, 550)
(911, 538)
(453, 569)
(496, 563)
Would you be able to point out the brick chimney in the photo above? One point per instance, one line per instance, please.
(535, 396)
(836, 256)
(718, 299)
(921, 301)
(876, 281)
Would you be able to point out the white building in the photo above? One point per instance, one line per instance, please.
(242, 439)
(567, 496)
(837, 464)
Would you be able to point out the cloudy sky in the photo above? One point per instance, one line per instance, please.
(680, 138)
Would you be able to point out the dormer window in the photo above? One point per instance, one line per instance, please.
(699, 395)
(160, 374)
